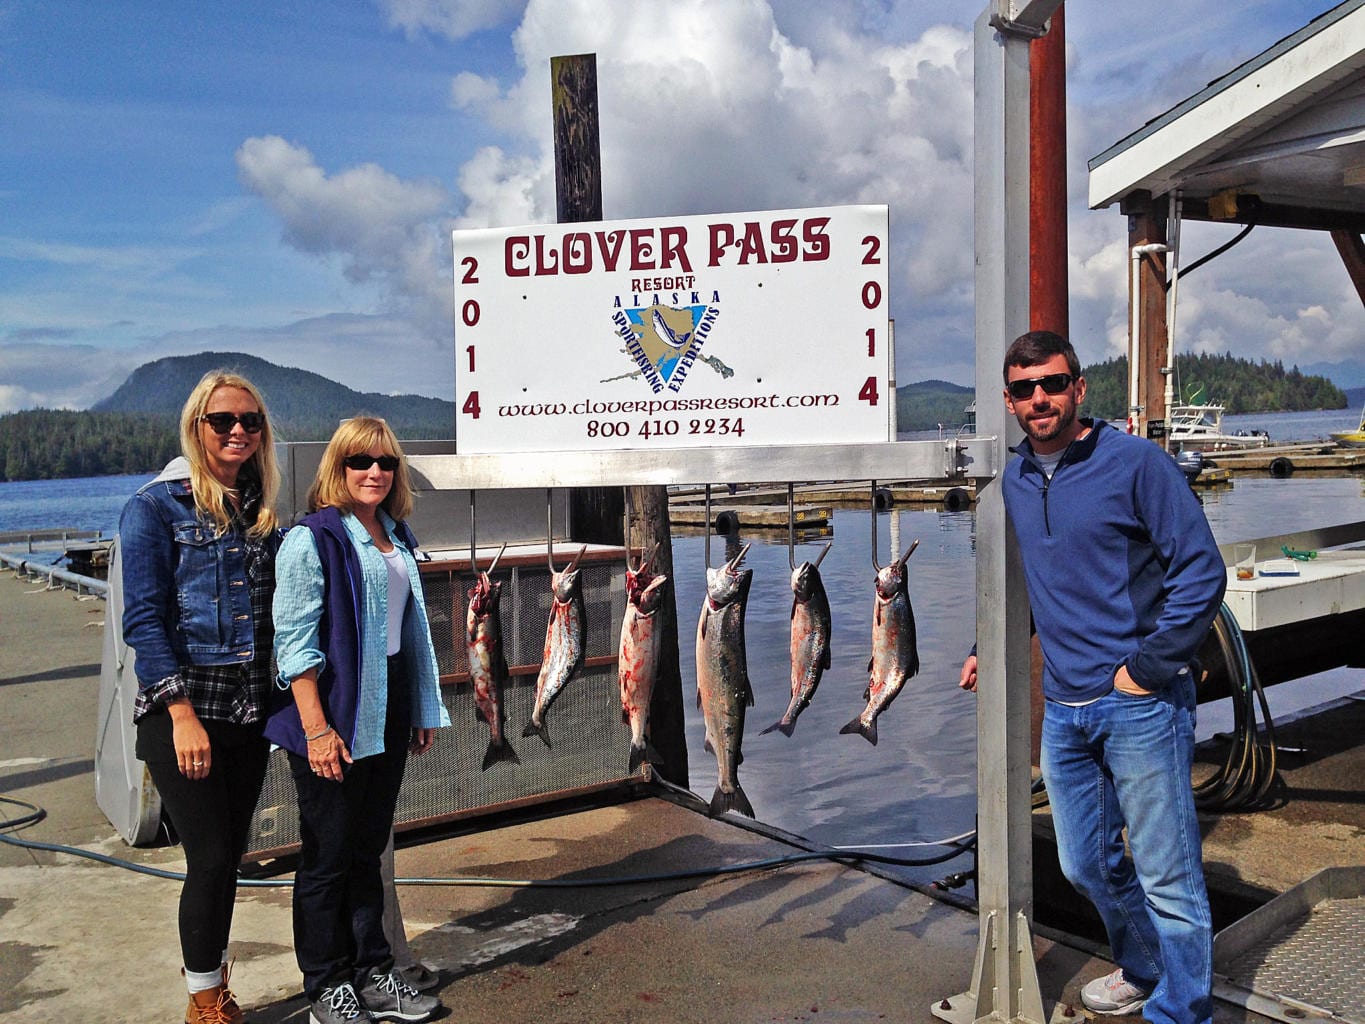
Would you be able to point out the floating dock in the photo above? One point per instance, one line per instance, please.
(812, 940)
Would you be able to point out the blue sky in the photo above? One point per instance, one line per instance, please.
(281, 179)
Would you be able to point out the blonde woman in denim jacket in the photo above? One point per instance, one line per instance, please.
(197, 546)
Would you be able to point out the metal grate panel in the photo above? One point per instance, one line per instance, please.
(590, 743)
(1300, 955)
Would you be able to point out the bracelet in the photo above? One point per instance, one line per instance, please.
(310, 739)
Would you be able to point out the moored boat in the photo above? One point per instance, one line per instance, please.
(1200, 428)
(1351, 438)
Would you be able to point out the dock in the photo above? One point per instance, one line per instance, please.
(813, 940)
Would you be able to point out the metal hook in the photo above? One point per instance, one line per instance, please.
(473, 545)
(550, 536)
(791, 532)
(550, 529)
(873, 517)
(706, 519)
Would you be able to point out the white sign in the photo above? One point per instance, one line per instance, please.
(734, 329)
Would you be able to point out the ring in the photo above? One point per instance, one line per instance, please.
(197, 764)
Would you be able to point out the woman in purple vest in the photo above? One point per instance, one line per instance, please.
(354, 649)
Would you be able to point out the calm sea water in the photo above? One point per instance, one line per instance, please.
(918, 783)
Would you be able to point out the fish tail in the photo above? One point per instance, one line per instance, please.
(867, 732)
(532, 729)
(499, 752)
(722, 801)
(639, 755)
(785, 724)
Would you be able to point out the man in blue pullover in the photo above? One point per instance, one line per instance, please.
(1124, 580)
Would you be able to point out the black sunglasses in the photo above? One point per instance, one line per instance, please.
(1052, 384)
(362, 462)
(223, 422)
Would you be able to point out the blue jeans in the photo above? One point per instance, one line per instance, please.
(1125, 760)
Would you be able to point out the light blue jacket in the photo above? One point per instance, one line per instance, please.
(300, 600)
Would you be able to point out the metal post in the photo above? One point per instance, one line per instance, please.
(1004, 978)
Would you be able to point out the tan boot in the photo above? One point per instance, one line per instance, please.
(215, 1005)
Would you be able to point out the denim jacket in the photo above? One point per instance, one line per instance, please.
(185, 592)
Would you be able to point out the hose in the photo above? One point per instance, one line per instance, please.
(957, 845)
(1249, 772)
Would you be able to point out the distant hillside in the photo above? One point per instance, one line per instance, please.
(303, 406)
(925, 405)
(1240, 385)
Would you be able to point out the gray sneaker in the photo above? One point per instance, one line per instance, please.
(419, 976)
(338, 1005)
(1113, 994)
(389, 997)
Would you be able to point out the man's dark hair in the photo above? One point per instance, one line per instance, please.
(1038, 347)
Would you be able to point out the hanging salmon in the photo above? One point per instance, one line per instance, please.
(565, 643)
(638, 663)
(723, 690)
(487, 666)
(895, 657)
(810, 640)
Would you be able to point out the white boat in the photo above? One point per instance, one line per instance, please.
(1351, 438)
(1199, 428)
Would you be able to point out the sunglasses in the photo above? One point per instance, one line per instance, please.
(362, 462)
(223, 422)
(1052, 384)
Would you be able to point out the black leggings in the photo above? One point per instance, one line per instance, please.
(212, 817)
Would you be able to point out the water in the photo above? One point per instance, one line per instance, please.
(918, 783)
(81, 504)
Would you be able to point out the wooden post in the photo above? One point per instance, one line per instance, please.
(597, 513)
(1352, 252)
(1048, 297)
(1147, 226)
(1048, 293)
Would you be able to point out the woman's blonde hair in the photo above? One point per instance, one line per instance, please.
(354, 437)
(209, 494)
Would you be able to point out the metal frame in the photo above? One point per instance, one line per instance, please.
(1004, 977)
(953, 459)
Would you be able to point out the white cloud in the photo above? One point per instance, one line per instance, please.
(725, 105)
(454, 19)
(384, 229)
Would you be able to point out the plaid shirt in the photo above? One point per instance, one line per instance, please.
(231, 693)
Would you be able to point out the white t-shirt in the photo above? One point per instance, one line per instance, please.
(399, 589)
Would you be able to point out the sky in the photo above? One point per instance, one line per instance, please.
(281, 179)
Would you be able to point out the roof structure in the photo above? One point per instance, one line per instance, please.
(1279, 140)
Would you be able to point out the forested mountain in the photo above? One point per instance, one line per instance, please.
(1239, 385)
(47, 444)
(135, 430)
(931, 403)
(303, 406)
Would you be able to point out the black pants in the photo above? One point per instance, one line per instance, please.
(344, 827)
(212, 817)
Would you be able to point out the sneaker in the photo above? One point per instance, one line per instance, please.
(388, 997)
(338, 1005)
(1113, 994)
(419, 976)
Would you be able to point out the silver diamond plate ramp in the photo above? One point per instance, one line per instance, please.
(1302, 955)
